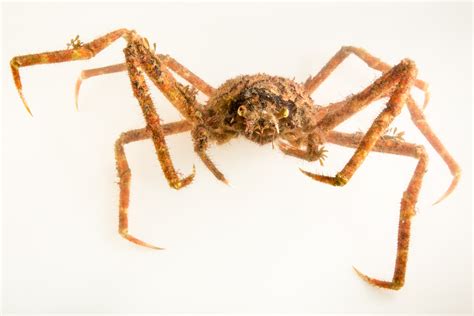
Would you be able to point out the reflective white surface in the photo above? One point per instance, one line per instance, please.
(272, 241)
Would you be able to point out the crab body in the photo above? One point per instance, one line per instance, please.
(262, 108)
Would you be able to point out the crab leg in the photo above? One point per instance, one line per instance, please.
(401, 78)
(201, 144)
(409, 199)
(417, 115)
(419, 120)
(186, 74)
(125, 175)
(84, 51)
(135, 54)
(312, 83)
(88, 73)
(169, 61)
(407, 211)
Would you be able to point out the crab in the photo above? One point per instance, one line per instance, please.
(264, 109)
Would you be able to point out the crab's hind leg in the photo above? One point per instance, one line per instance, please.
(419, 120)
(78, 52)
(88, 73)
(125, 174)
(312, 83)
(169, 61)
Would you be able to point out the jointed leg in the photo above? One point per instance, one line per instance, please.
(384, 145)
(416, 114)
(398, 81)
(135, 54)
(124, 172)
(88, 73)
(419, 120)
(187, 75)
(409, 199)
(181, 97)
(138, 55)
(170, 62)
(373, 62)
(200, 139)
(85, 51)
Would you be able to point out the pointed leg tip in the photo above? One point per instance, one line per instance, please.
(151, 246)
(309, 174)
(25, 104)
(29, 111)
(316, 177)
(219, 176)
(139, 242)
(77, 90)
(360, 274)
(451, 188)
(156, 248)
(379, 283)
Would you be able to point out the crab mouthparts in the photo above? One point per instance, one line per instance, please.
(263, 135)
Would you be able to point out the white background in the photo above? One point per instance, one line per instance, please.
(272, 241)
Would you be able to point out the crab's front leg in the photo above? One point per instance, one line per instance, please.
(200, 136)
(398, 82)
(314, 150)
(136, 57)
(170, 63)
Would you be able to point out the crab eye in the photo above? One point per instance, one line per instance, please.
(242, 110)
(284, 112)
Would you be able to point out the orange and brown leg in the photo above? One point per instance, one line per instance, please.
(138, 54)
(312, 83)
(398, 81)
(136, 57)
(419, 120)
(409, 199)
(170, 62)
(201, 144)
(125, 175)
(416, 114)
(187, 75)
(78, 52)
(181, 97)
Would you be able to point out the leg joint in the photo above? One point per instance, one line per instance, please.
(409, 65)
(421, 152)
(340, 180)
